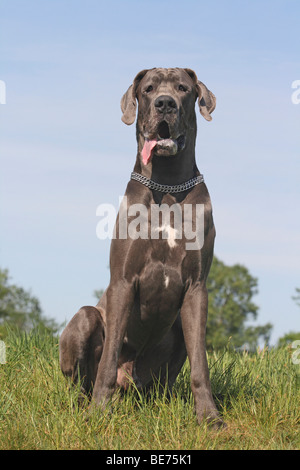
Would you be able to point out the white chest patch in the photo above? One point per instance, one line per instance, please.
(168, 233)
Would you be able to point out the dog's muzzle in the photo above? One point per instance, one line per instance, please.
(164, 144)
(165, 141)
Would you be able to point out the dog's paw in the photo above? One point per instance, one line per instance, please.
(212, 418)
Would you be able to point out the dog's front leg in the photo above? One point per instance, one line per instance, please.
(120, 297)
(193, 316)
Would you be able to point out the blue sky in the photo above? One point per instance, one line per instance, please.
(64, 149)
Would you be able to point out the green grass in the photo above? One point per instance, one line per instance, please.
(258, 395)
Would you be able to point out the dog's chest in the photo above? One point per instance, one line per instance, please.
(160, 295)
(157, 304)
(160, 284)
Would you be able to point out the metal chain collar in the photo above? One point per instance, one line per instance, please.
(164, 188)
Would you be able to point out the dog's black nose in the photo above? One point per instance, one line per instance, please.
(165, 104)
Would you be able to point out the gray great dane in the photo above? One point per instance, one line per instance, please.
(153, 313)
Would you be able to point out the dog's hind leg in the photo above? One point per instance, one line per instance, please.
(80, 347)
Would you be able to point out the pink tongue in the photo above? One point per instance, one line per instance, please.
(147, 150)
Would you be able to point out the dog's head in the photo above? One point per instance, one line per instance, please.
(166, 98)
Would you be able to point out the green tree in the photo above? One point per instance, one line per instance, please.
(230, 291)
(292, 335)
(98, 293)
(19, 309)
(288, 338)
(296, 297)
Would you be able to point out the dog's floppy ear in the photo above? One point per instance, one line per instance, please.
(206, 99)
(128, 101)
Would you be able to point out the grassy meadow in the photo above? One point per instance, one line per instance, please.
(258, 395)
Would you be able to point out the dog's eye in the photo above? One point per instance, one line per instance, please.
(182, 88)
(150, 88)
